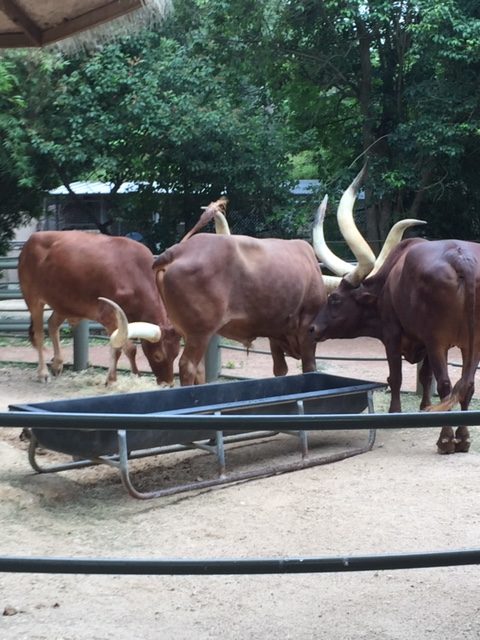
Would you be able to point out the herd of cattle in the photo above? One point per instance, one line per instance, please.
(418, 297)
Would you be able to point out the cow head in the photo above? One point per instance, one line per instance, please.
(161, 355)
(351, 311)
(160, 346)
(352, 305)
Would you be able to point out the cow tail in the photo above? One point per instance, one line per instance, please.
(163, 260)
(464, 386)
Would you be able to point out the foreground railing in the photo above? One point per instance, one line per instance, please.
(312, 422)
(239, 566)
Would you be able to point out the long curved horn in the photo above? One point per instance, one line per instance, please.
(331, 282)
(353, 237)
(221, 224)
(128, 330)
(324, 254)
(393, 238)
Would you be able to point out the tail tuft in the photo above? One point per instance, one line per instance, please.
(446, 404)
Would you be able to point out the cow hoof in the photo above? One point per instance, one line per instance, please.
(446, 445)
(56, 368)
(462, 446)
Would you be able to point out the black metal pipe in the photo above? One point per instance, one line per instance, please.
(312, 422)
(262, 352)
(320, 358)
(247, 566)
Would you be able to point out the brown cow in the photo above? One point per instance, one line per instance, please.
(424, 300)
(241, 288)
(70, 270)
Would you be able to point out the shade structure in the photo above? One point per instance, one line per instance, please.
(35, 23)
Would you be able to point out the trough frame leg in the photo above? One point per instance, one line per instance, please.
(75, 464)
(220, 449)
(372, 433)
(303, 435)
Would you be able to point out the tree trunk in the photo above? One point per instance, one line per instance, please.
(378, 216)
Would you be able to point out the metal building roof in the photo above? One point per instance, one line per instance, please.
(93, 188)
(34, 23)
(303, 187)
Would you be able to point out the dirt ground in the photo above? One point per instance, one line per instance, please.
(400, 497)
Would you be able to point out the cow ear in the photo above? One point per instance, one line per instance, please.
(366, 299)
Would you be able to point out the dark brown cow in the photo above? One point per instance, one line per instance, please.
(70, 270)
(424, 300)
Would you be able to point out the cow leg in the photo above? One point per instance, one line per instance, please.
(462, 440)
(112, 366)
(190, 366)
(130, 350)
(36, 337)
(394, 379)
(446, 441)
(200, 375)
(108, 320)
(425, 377)
(54, 323)
(308, 349)
(462, 434)
(438, 362)
(280, 367)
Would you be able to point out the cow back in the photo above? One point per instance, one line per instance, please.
(70, 270)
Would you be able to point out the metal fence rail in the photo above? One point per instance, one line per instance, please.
(263, 352)
(239, 566)
(247, 422)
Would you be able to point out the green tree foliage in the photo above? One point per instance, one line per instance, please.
(441, 134)
(20, 196)
(228, 96)
(157, 110)
(396, 80)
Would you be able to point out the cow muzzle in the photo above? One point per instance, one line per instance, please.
(319, 330)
